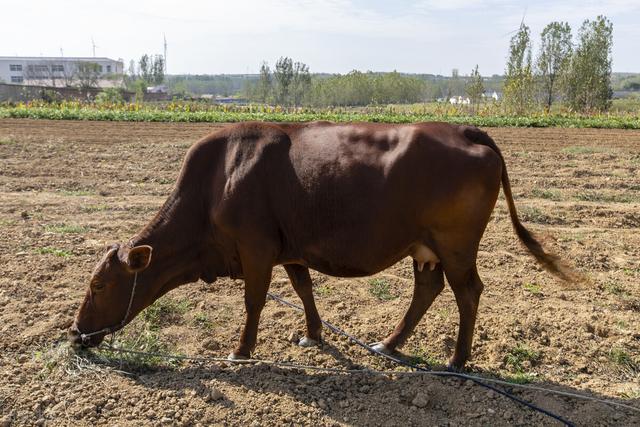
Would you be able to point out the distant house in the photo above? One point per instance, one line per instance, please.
(61, 71)
(493, 95)
(230, 100)
(621, 94)
(459, 100)
(158, 89)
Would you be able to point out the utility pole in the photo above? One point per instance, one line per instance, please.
(93, 45)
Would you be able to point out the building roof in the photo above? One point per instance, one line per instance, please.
(56, 58)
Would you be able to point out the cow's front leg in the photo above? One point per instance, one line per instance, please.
(257, 277)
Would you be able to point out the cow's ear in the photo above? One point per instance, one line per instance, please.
(138, 258)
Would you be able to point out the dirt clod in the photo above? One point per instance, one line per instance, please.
(420, 400)
(215, 394)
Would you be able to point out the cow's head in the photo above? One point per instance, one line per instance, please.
(106, 303)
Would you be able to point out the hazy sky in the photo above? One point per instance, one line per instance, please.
(235, 36)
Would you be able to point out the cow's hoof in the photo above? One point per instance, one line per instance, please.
(453, 368)
(308, 342)
(380, 348)
(236, 356)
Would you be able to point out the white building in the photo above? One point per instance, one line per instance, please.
(459, 100)
(493, 95)
(60, 71)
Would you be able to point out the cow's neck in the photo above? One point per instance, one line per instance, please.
(176, 241)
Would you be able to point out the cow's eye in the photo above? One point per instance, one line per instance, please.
(97, 286)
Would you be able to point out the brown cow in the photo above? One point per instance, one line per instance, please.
(347, 200)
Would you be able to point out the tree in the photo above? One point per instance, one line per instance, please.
(37, 74)
(455, 86)
(519, 84)
(475, 88)
(131, 72)
(283, 76)
(87, 74)
(145, 70)
(157, 70)
(554, 59)
(264, 85)
(589, 86)
(300, 83)
(140, 88)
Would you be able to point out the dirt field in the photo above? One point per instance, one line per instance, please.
(69, 188)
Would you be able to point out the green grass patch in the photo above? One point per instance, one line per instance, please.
(66, 229)
(581, 150)
(615, 288)
(546, 194)
(444, 313)
(164, 311)
(381, 289)
(324, 290)
(143, 341)
(201, 320)
(76, 193)
(54, 251)
(573, 237)
(594, 196)
(532, 288)
(533, 214)
(421, 356)
(518, 355)
(624, 360)
(622, 325)
(94, 208)
(5, 140)
(631, 394)
(520, 377)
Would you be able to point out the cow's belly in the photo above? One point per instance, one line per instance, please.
(351, 255)
(347, 266)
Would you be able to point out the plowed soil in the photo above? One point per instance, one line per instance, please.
(69, 188)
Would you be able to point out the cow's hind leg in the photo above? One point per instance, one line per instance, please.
(427, 286)
(467, 287)
(302, 284)
(257, 277)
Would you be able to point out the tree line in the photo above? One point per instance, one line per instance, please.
(576, 74)
(291, 84)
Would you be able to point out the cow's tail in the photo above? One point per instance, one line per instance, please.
(550, 261)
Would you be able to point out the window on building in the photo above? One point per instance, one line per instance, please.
(15, 67)
(38, 68)
(101, 70)
(16, 79)
(57, 68)
(108, 68)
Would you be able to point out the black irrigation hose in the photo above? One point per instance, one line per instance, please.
(339, 331)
